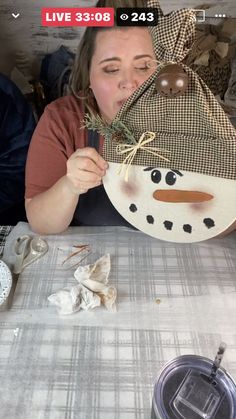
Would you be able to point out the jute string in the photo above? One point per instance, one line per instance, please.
(131, 150)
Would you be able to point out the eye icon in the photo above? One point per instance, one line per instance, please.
(124, 16)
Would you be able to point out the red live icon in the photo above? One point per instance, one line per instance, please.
(77, 16)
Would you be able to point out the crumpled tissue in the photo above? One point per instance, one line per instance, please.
(92, 290)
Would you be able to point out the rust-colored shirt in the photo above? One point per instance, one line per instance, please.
(57, 135)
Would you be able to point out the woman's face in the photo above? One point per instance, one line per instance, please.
(120, 64)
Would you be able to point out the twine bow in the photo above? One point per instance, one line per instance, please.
(154, 63)
(146, 138)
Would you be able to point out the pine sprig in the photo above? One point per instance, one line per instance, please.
(122, 129)
(116, 130)
(95, 123)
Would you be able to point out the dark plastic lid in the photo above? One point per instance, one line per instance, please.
(184, 391)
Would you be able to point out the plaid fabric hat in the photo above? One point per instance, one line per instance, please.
(190, 132)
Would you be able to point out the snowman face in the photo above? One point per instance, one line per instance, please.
(172, 205)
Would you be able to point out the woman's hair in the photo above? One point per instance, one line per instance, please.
(80, 75)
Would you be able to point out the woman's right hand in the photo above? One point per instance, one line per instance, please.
(85, 169)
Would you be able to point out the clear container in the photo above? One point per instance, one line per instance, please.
(184, 391)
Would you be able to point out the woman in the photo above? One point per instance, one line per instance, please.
(64, 170)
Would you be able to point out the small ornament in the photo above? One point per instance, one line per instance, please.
(172, 81)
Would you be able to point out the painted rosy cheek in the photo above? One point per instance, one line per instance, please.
(129, 189)
(200, 206)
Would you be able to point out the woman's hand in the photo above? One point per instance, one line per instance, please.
(85, 169)
(51, 211)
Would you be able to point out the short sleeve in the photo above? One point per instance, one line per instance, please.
(57, 135)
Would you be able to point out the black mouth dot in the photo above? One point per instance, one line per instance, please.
(187, 228)
(150, 219)
(168, 225)
(133, 208)
(209, 223)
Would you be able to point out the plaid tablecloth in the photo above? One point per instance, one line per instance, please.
(172, 300)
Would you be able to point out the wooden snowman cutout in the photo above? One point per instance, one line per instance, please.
(172, 151)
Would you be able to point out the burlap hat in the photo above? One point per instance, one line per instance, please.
(192, 130)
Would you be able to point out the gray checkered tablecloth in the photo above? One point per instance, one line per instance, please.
(101, 365)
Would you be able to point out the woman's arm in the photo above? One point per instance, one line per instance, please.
(51, 212)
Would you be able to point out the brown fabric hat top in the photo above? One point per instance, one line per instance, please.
(192, 130)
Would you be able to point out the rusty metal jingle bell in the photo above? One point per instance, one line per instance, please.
(172, 81)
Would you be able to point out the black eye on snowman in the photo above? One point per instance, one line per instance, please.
(156, 176)
(171, 178)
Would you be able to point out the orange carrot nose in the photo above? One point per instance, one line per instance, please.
(175, 195)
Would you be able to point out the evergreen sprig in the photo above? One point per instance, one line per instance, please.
(117, 129)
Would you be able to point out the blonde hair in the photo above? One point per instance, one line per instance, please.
(80, 75)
